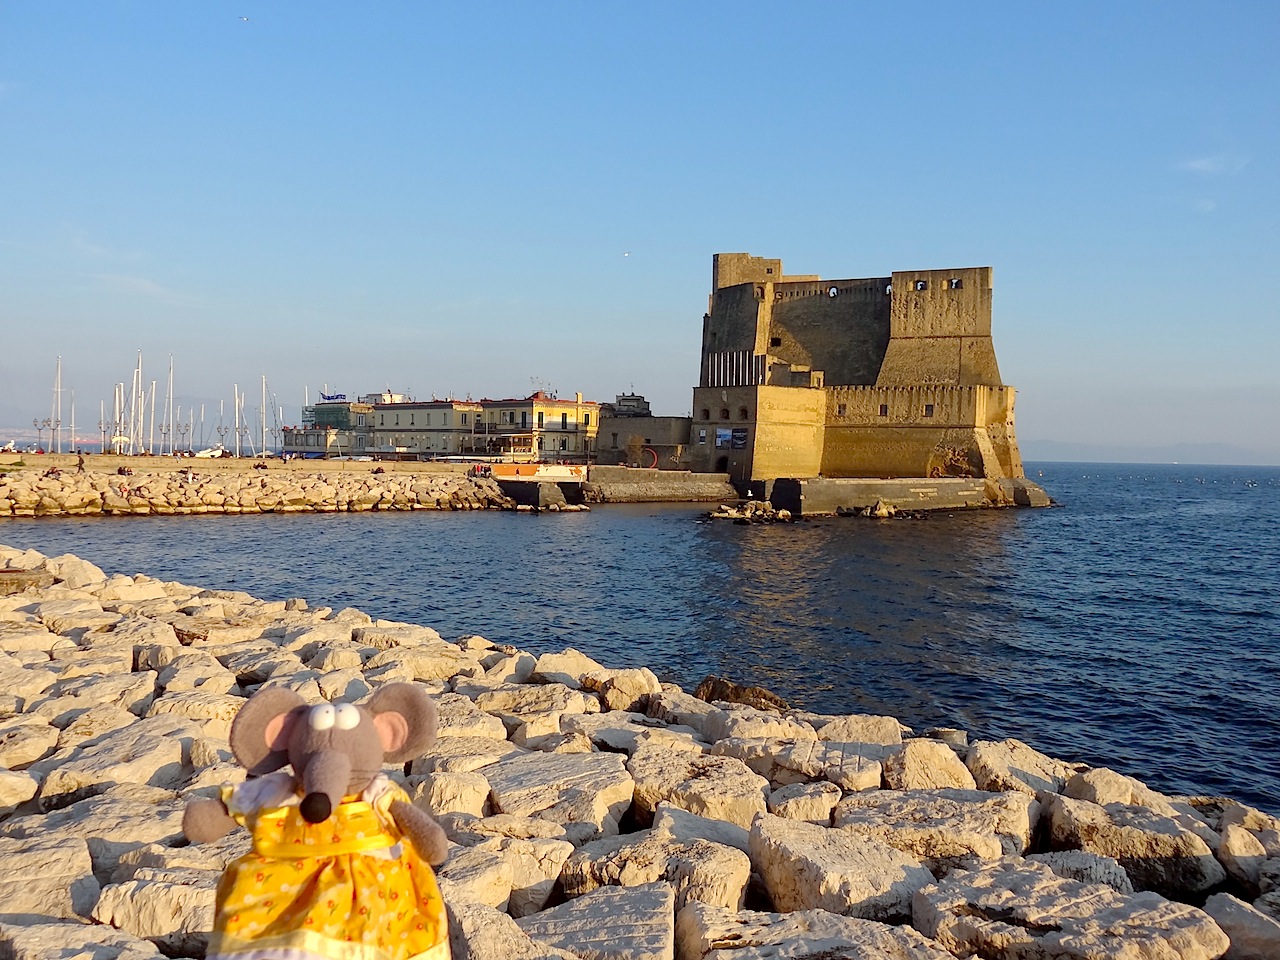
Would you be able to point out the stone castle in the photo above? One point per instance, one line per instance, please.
(882, 377)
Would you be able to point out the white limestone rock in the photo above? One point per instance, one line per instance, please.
(74, 572)
(705, 932)
(349, 686)
(16, 788)
(784, 761)
(1019, 908)
(672, 705)
(1156, 852)
(122, 818)
(722, 788)
(686, 827)
(196, 671)
(462, 754)
(171, 908)
(943, 827)
(697, 869)
(469, 831)
(586, 793)
(627, 690)
(807, 867)
(1254, 935)
(738, 720)
(132, 691)
(535, 867)
(24, 740)
(1003, 765)
(865, 728)
(622, 732)
(30, 635)
(452, 792)
(1242, 855)
(435, 661)
(213, 713)
(1103, 786)
(151, 752)
(567, 667)
(72, 941)
(515, 702)
(27, 684)
(460, 717)
(470, 875)
(46, 877)
(479, 932)
(611, 923)
(810, 802)
(926, 765)
(388, 634)
(1086, 867)
(91, 722)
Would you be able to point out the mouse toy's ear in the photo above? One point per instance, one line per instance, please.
(260, 732)
(405, 717)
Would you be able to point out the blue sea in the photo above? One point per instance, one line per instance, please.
(1134, 625)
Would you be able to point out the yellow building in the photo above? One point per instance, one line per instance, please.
(540, 427)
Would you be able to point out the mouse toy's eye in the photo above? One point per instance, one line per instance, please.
(322, 717)
(346, 717)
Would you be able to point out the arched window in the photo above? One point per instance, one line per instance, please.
(706, 414)
(742, 413)
(724, 413)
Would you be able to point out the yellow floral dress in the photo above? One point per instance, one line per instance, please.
(345, 889)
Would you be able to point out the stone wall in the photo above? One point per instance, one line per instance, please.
(630, 485)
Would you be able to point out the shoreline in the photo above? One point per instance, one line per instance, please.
(577, 792)
(55, 486)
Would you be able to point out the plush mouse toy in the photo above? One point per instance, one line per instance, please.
(331, 874)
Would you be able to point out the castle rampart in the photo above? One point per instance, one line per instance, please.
(876, 377)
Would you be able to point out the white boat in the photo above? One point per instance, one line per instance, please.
(211, 453)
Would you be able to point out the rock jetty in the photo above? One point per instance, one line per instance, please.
(147, 492)
(593, 813)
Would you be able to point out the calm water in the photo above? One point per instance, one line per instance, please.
(1136, 626)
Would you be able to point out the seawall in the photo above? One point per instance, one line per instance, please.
(587, 807)
(822, 496)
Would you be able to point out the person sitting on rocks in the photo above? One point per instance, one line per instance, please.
(53, 472)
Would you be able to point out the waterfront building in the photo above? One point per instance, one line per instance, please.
(630, 435)
(880, 377)
(425, 429)
(541, 427)
(331, 428)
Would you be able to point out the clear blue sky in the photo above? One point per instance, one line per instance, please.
(442, 198)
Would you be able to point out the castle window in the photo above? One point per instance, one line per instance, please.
(955, 283)
(759, 293)
(724, 413)
(922, 284)
(768, 269)
(775, 341)
(833, 292)
(928, 409)
(742, 413)
(840, 409)
(884, 409)
(706, 414)
(888, 289)
(615, 441)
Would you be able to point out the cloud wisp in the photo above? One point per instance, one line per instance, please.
(1215, 165)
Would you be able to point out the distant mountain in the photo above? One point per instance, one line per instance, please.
(1221, 453)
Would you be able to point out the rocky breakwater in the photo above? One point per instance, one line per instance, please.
(146, 492)
(593, 813)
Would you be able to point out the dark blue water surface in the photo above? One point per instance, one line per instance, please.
(1134, 626)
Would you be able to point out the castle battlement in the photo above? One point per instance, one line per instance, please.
(872, 377)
